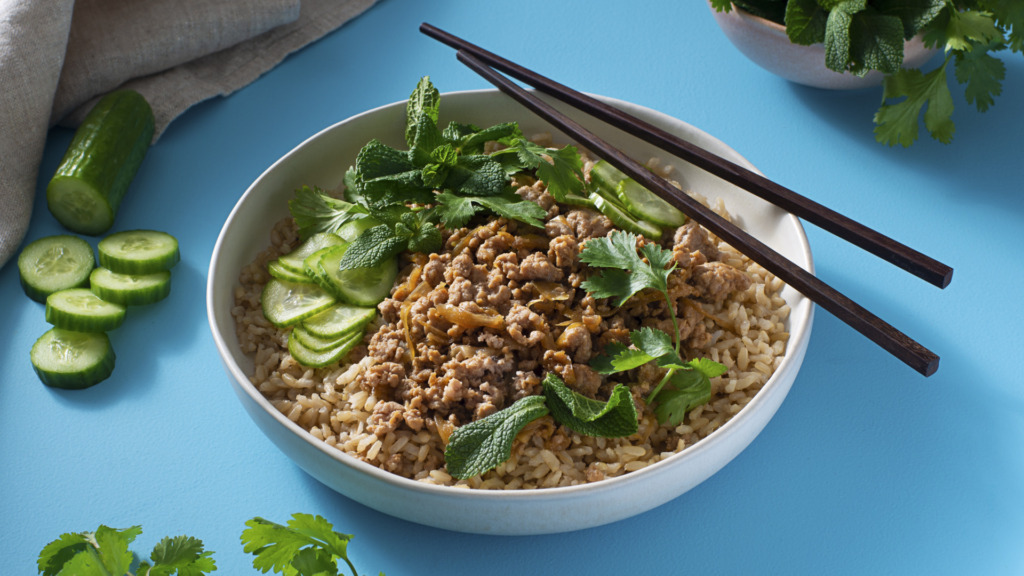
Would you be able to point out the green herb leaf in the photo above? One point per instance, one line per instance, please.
(181, 555)
(455, 211)
(472, 142)
(563, 173)
(837, 34)
(897, 123)
(969, 27)
(686, 389)
(615, 418)
(983, 75)
(374, 246)
(310, 541)
(1010, 15)
(806, 22)
(479, 446)
(98, 553)
(626, 273)
(476, 175)
(56, 554)
(876, 43)
(425, 101)
(914, 14)
(650, 345)
(316, 211)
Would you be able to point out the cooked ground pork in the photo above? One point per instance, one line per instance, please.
(468, 331)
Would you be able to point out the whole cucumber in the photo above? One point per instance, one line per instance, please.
(100, 163)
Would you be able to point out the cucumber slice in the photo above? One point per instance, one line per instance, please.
(577, 200)
(316, 359)
(338, 320)
(54, 263)
(647, 205)
(311, 265)
(138, 252)
(72, 360)
(359, 286)
(316, 343)
(282, 273)
(286, 303)
(351, 230)
(101, 162)
(130, 289)
(293, 260)
(604, 175)
(624, 220)
(80, 309)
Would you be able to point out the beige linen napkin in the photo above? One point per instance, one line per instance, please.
(57, 57)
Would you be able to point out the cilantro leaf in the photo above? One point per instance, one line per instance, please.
(686, 389)
(983, 75)
(481, 445)
(455, 211)
(183, 554)
(897, 123)
(57, 553)
(316, 211)
(563, 173)
(965, 28)
(650, 345)
(602, 363)
(306, 542)
(612, 419)
(626, 273)
(1010, 15)
(473, 142)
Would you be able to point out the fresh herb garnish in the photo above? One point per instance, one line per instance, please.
(612, 419)
(624, 273)
(105, 552)
(443, 179)
(308, 545)
(482, 444)
(864, 35)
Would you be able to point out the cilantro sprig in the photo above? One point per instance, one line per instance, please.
(105, 552)
(864, 35)
(307, 546)
(624, 271)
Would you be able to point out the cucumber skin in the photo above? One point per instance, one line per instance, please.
(75, 380)
(104, 155)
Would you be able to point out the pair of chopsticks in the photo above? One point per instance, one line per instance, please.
(877, 330)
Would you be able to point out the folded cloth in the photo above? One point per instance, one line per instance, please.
(58, 57)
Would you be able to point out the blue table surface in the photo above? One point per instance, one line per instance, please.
(868, 467)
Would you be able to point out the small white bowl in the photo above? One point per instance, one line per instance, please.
(322, 160)
(766, 44)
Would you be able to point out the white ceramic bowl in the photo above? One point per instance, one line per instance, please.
(322, 160)
(766, 44)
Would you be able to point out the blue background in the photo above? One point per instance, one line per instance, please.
(868, 468)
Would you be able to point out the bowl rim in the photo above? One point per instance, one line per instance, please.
(799, 335)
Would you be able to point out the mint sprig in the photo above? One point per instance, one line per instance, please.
(481, 445)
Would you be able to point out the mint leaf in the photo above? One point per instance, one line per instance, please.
(316, 211)
(913, 14)
(425, 100)
(626, 272)
(472, 142)
(481, 445)
(374, 246)
(426, 236)
(612, 419)
(876, 43)
(476, 175)
(805, 22)
(983, 75)
(897, 123)
(837, 34)
(426, 138)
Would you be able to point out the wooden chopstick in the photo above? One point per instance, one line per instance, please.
(910, 260)
(877, 330)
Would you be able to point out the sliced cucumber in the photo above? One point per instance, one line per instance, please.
(286, 303)
(80, 309)
(351, 230)
(130, 289)
(72, 360)
(282, 273)
(339, 320)
(54, 263)
(647, 205)
(293, 260)
(316, 359)
(577, 200)
(624, 220)
(311, 265)
(138, 251)
(359, 286)
(316, 343)
(604, 175)
(101, 162)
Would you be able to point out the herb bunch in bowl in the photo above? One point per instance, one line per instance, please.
(864, 35)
